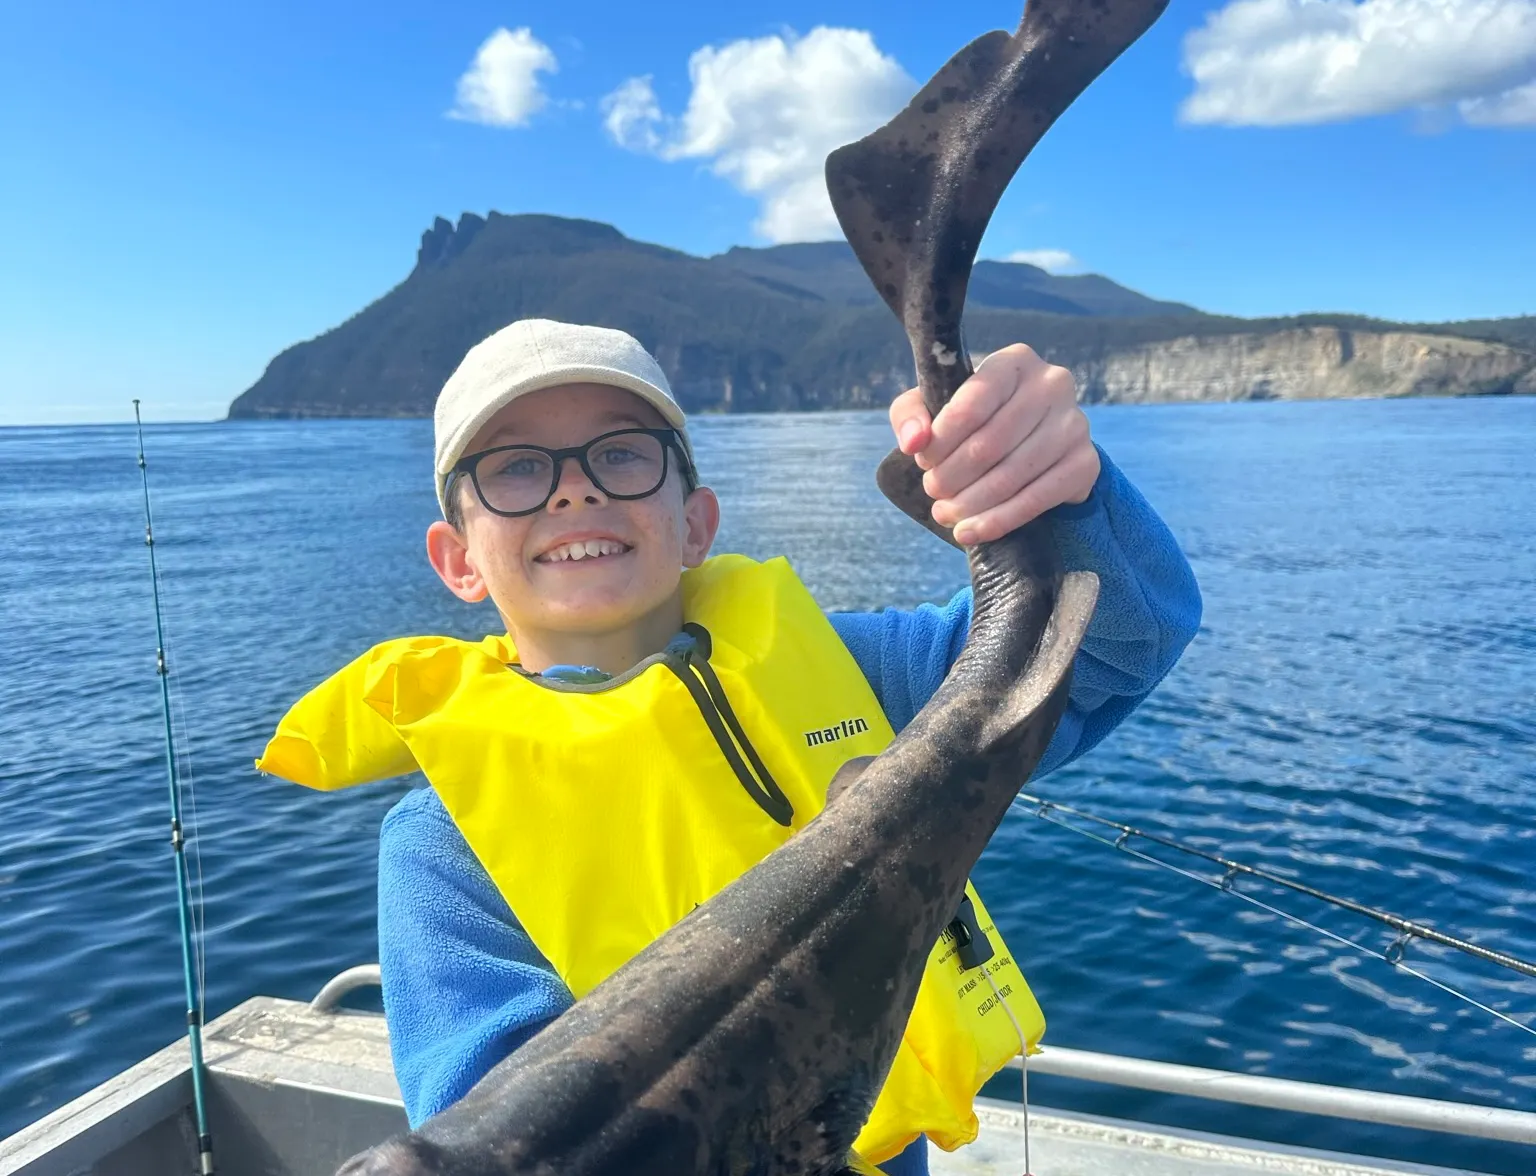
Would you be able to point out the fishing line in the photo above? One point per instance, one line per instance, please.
(1393, 956)
(1023, 1062)
(178, 839)
(1404, 927)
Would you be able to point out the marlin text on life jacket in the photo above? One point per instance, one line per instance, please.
(833, 734)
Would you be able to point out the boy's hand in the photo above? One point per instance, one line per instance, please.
(1008, 447)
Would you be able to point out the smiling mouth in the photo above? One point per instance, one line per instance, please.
(583, 549)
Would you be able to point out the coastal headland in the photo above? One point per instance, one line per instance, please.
(797, 327)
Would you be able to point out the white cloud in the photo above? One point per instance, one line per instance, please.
(632, 114)
(1512, 108)
(501, 87)
(765, 113)
(1054, 260)
(1278, 62)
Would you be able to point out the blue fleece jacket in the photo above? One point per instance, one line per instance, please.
(464, 984)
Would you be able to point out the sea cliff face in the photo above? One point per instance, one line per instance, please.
(1312, 363)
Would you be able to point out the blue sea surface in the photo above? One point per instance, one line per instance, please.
(1358, 711)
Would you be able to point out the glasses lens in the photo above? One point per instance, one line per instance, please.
(514, 480)
(628, 465)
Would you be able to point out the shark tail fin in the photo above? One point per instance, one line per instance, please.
(900, 480)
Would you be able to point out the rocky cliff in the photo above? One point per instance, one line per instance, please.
(798, 327)
(1282, 363)
(1308, 363)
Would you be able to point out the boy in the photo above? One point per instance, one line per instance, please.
(569, 496)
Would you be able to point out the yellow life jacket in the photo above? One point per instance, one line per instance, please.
(604, 813)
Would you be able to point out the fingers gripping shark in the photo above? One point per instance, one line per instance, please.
(753, 1037)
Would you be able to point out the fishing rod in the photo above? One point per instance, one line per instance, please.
(178, 840)
(1407, 930)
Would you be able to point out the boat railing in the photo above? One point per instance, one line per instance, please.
(1284, 1094)
(1254, 1090)
(328, 999)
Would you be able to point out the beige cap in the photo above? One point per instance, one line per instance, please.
(541, 353)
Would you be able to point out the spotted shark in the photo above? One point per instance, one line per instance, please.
(752, 1038)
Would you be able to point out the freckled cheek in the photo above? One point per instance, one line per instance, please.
(663, 558)
(500, 556)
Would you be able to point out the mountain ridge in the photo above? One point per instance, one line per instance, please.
(786, 327)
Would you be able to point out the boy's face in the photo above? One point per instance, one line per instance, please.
(649, 540)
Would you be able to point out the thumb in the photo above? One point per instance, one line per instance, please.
(911, 422)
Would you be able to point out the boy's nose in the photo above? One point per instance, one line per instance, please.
(571, 484)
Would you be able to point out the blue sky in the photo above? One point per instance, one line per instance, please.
(186, 189)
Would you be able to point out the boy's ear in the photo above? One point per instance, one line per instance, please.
(701, 519)
(449, 557)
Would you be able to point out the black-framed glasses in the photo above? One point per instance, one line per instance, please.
(514, 480)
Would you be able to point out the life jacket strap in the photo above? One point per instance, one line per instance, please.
(693, 669)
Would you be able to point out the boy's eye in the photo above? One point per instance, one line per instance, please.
(631, 452)
(517, 465)
(618, 453)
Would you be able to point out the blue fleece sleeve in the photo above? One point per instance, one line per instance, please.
(1148, 611)
(464, 985)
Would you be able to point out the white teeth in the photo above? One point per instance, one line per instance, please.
(584, 549)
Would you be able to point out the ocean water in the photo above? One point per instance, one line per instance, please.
(1358, 710)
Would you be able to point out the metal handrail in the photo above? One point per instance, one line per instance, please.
(1254, 1090)
(1311, 1098)
(329, 997)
